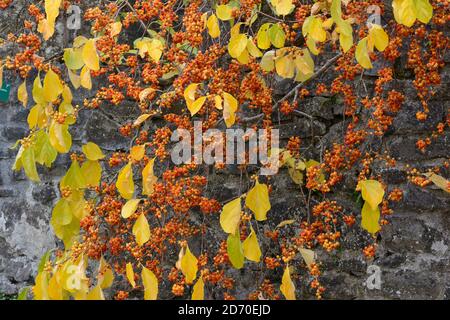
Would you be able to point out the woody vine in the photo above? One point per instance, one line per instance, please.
(129, 230)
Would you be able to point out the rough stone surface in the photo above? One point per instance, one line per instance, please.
(413, 255)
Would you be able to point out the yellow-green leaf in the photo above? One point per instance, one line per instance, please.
(276, 35)
(92, 151)
(92, 172)
(308, 256)
(29, 164)
(73, 58)
(235, 250)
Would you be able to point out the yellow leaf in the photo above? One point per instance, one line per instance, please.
(285, 223)
(38, 91)
(60, 137)
(213, 26)
(235, 251)
(73, 58)
(276, 35)
(73, 177)
(92, 151)
(74, 79)
(150, 282)
(115, 28)
(189, 266)
(189, 93)
(130, 274)
(144, 93)
(148, 178)
(141, 230)
(85, 78)
(237, 45)
(251, 248)
(257, 200)
(130, 207)
(137, 152)
(316, 30)
(22, 93)
(287, 286)
(424, 10)
(198, 292)
(372, 192)
(370, 218)
(125, 183)
(253, 49)
(230, 106)
(267, 62)
(308, 256)
(218, 102)
(105, 276)
(439, 181)
(196, 105)
(55, 290)
(282, 7)
(285, 66)
(244, 58)
(231, 216)
(155, 50)
(312, 46)
(362, 54)
(40, 288)
(345, 41)
(141, 119)
(62, 212)
(96, 294)
(53, 86)
(378, 37)
(224, 12)
(90, 56)
(407, 12)
(262, 38)
(29, 164)
(92, 172)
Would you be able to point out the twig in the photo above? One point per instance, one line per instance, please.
(295, 89)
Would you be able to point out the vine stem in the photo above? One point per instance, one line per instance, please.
(295, 89)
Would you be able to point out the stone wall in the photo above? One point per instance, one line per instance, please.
(413, 255)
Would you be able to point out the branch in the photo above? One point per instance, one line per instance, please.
(295, 89)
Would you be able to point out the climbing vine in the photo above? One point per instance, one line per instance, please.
(131, 222)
